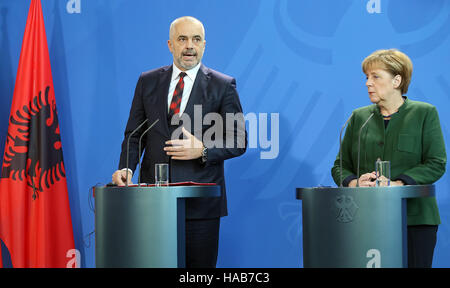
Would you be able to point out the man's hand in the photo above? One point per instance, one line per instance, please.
(120, 177)
(184, 149)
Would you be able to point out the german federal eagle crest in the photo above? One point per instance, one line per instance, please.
(346, 208)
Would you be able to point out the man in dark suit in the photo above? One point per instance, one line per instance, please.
(200, 125)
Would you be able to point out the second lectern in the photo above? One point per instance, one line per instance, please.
(356, 227)
(143, 226)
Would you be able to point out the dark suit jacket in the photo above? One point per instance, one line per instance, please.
(216, 93)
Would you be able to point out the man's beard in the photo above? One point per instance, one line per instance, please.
(190, 64)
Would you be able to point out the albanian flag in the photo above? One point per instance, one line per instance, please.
(35, 221)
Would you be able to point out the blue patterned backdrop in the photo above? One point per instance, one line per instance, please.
(298, 62)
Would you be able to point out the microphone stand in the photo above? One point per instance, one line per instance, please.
(359, 147)
(128, 145)
(140, 140)
(340, 148)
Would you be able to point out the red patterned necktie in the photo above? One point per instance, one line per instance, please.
(177, 95)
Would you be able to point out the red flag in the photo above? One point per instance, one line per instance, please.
(35, 221)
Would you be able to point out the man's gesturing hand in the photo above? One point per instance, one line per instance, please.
(184, 149)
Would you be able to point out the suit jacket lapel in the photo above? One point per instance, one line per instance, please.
(162, 92)
(198, 91)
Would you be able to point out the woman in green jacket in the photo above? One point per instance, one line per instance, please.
(405, 132)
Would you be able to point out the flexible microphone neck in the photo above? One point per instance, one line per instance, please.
(340, 148)
(128, 145)
(359, 148)
(140, 141)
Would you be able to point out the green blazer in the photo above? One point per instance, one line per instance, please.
(412, 141)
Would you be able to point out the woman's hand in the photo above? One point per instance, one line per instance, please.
(369, 180)
(397, 183)
(366, 180)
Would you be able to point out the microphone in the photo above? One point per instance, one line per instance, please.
(140, 140)
(340, 147)
(128, 144)
(359, 147)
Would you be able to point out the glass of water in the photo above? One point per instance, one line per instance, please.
(383, 170)
(162, 174)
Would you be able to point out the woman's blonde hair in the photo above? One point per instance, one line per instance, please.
(393, 61)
